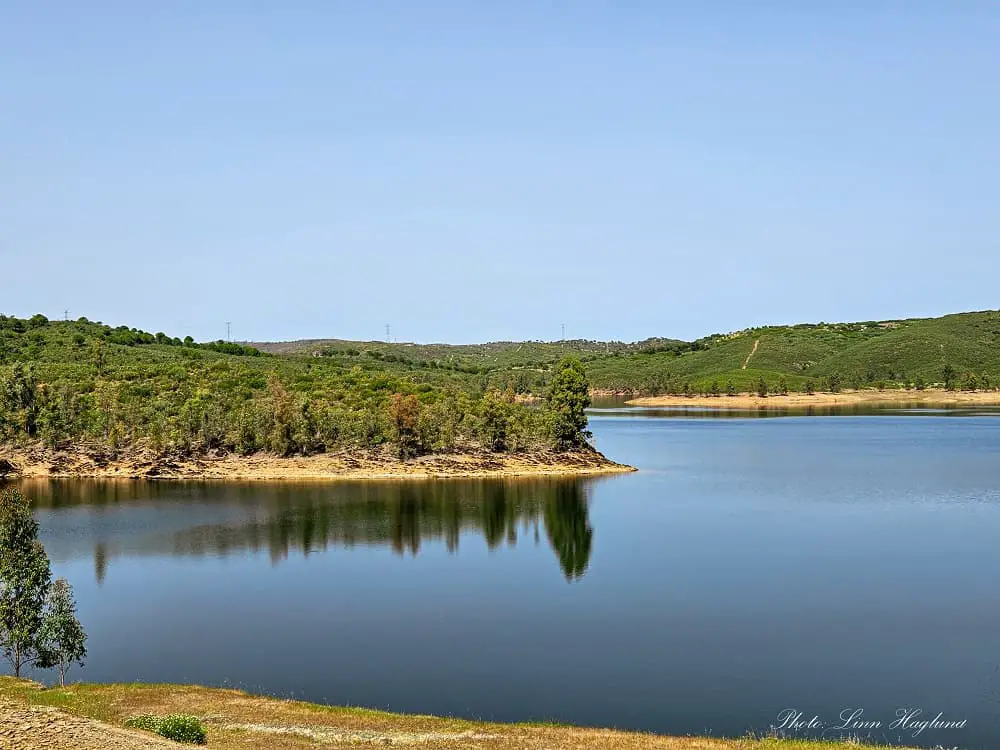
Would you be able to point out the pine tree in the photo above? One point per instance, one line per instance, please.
(568, 399)
(762, 387)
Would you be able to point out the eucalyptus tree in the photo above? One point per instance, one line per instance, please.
(61, 640)
(25, 577)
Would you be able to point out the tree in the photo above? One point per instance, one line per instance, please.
(948, 375)
(25, 577)
(971, 382)
(715, 387)
(782, 386)
(730, 388)
(810, 387)
(61, 641)
(496, 419)
(99, 357)
(833, 383)
(18, 399)
(568, 399)
(404, 411)
(762, 388)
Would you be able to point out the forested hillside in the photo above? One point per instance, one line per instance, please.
(958, 351)
(78, 381)
(954, 351)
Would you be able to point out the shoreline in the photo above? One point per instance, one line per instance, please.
(38, 462)
(91, 715)
(898, 398)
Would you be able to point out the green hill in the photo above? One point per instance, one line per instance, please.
(520, 365)
(965, 348)
(83, 381)
(80, 382)
(870, 354)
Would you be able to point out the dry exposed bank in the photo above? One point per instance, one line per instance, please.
(38, 461)
(843, 398)
(90, 716)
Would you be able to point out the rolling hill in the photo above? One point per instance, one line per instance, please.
(962, 349)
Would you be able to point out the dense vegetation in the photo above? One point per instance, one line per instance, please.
(86, 384)
(956, 351)
(176, 727)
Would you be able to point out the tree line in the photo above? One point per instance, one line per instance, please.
(197, 407)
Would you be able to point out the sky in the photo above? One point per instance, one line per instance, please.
(474, 171)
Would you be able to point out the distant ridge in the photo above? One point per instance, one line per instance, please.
(958, 350)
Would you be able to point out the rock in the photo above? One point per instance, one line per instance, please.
(7, 468)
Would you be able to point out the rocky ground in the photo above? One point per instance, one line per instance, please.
(25, 727)
(40, 461)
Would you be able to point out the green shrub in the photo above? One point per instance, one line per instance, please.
(177, 727)
(147, 722)
(182, 728)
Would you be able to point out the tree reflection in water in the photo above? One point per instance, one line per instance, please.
(219, 519)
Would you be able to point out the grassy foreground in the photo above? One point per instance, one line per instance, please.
(238, 720)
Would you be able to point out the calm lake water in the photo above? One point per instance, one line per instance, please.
(751, 566)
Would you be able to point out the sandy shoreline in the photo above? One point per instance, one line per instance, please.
(42, 462)
(844, 398)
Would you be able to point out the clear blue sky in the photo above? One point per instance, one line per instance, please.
(469, 171)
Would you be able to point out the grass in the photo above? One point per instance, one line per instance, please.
(235, 719)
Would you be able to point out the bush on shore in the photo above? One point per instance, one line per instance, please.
(177, 727)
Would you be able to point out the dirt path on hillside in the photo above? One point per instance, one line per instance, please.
(43, 728)
(752, 352)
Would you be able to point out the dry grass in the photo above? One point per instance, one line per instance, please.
(237, 720)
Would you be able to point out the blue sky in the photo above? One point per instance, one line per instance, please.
(472, 171)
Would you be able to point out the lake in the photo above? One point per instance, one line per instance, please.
(752, 567)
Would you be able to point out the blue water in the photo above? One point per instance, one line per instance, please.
(751, 566)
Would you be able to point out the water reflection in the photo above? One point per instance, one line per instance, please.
(108, 520)
(612, 408)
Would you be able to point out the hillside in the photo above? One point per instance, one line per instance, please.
(871, 354)
(961, 351)
(129, 397)
(520, 365)
(67, 383)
